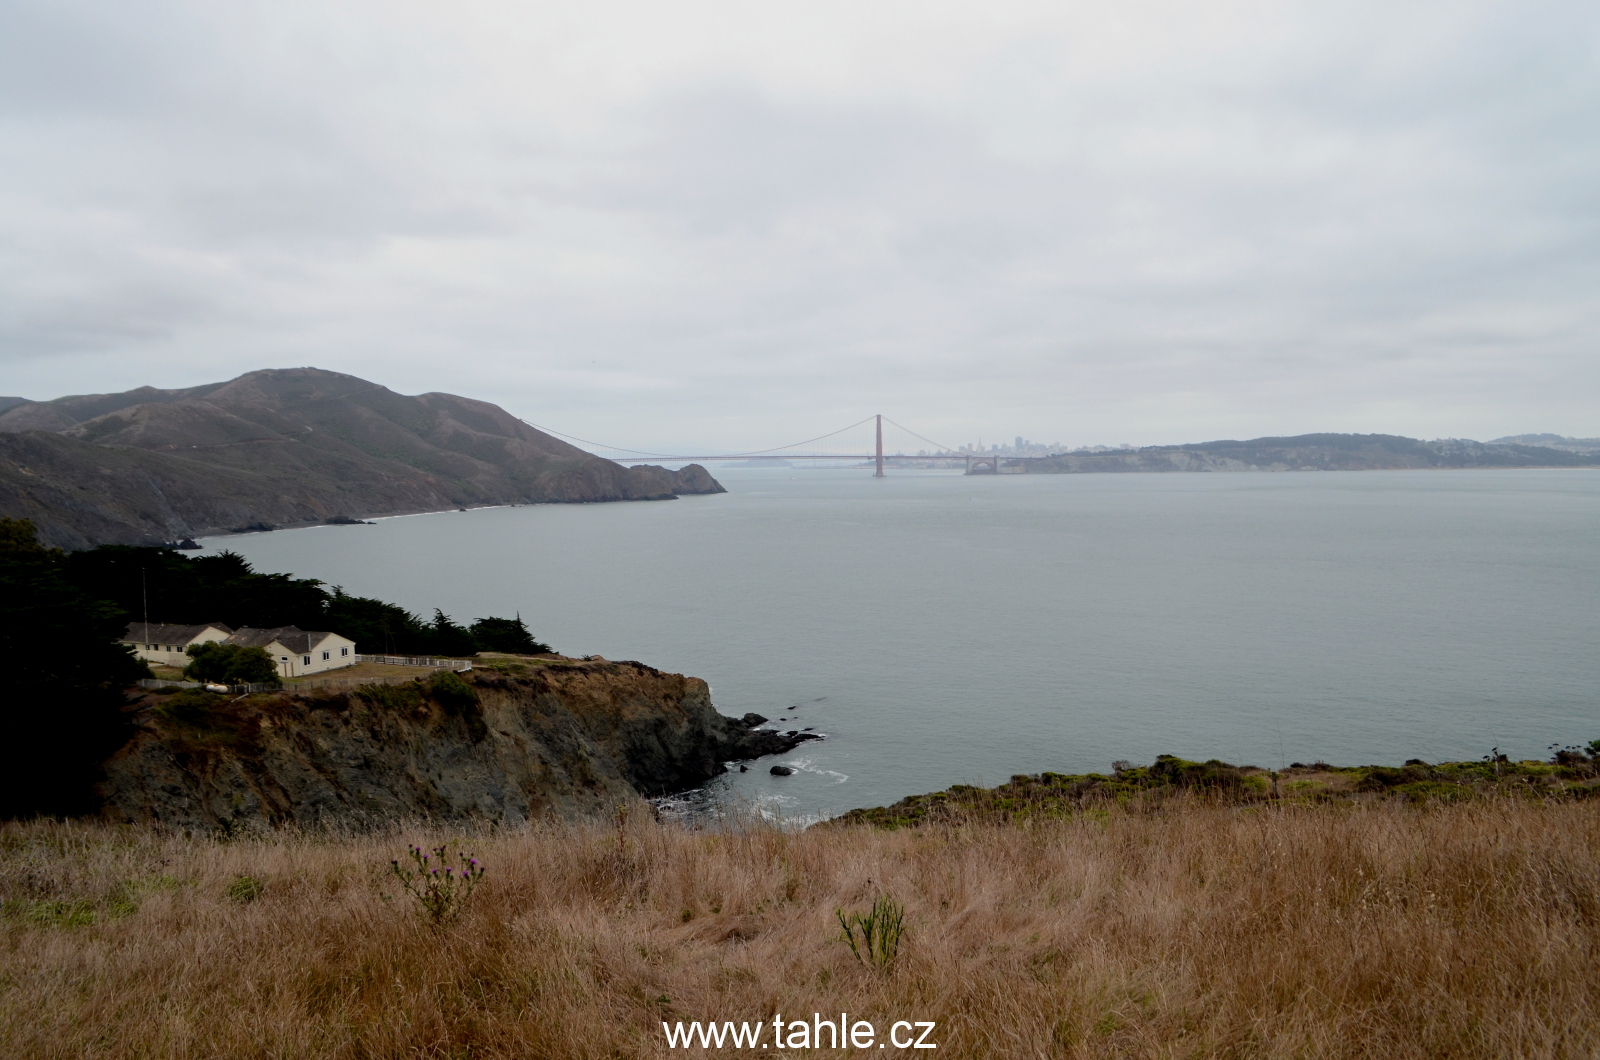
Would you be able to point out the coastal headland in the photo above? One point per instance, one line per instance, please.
(515, 739)
(286, 447)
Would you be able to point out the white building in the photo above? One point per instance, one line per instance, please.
(297, 652)
(165, 644)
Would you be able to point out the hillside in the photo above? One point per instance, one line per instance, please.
(1316, 452)
(1553, 441)
(1192, 931)
(285, 447)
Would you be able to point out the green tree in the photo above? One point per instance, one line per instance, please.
(63, 710)
(219, 588)
(377, 627)
(447, 638)
(230, 664)
(506, 634)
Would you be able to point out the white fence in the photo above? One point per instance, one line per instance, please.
(459, 665)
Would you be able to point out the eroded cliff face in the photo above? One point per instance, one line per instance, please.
(567, 739)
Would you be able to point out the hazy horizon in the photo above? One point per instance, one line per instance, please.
(891, 434)
(665, 227)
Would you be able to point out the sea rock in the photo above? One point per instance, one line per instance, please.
(781, 771)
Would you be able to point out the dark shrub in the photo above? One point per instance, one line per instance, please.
(1382, 779)
(1213, 776)
(1571, 755)
(230, 664)
(508, 635)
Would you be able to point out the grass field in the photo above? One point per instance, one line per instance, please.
(1386, 928)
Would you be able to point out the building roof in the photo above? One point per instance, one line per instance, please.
(167, 633)
(293, 638)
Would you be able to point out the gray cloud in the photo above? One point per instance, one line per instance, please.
(1137, 223)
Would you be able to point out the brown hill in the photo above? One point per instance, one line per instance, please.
(282, 447)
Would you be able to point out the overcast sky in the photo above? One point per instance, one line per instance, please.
(733, 225)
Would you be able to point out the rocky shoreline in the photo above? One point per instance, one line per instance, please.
(517, 740)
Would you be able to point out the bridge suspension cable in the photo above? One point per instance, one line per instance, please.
(585, 441)
(914, 434)
(808, 441)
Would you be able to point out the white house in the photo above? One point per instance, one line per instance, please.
(298, 652)
(166, 644)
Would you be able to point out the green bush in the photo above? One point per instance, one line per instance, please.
(1212, 776)
(1422, 791)
(451, 692)
(230, 664)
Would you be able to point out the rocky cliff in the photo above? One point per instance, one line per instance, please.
(282, 448)
(524, 740)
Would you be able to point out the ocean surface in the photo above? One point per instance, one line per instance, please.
(944, 629)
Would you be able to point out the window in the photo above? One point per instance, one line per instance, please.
(305, 660)
(283, 658)
(344, 651)
(326, 656)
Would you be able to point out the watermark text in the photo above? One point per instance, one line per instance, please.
(816, 1033)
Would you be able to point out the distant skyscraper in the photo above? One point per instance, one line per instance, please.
(1019, 443)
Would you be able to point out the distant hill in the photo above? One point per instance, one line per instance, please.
(1552, 441)
(1316, 452)
(285, 447)
(8, 402)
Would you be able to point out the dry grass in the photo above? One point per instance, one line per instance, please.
(1382, 930)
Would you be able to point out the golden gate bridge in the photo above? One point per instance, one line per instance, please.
(977, 462)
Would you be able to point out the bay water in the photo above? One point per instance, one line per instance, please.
(940, 628)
